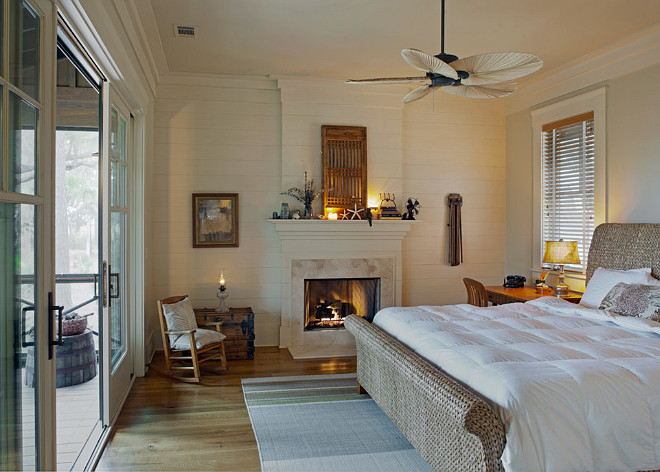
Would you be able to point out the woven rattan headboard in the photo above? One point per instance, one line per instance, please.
(625, 246)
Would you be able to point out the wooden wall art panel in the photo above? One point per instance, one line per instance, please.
(344, 151)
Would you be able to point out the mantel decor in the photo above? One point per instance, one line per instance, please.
(305, 195)
(344, 155)
(215, 219)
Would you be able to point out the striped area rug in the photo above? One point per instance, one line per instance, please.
(319, 423)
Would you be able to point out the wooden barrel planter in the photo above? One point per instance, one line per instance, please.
(76, 361)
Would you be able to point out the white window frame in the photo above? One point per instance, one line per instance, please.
(594, 100)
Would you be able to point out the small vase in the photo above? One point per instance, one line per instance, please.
(284, 211)
(308, 210)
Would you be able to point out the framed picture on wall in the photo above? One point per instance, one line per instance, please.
(215, 219)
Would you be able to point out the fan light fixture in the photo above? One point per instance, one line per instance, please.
(482, 76)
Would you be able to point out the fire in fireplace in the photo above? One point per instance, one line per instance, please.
(329, 301)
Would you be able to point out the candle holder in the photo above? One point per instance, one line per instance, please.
(222, 297)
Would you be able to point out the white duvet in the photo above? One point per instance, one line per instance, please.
(576, 389)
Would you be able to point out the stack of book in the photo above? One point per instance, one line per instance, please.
(390, 213)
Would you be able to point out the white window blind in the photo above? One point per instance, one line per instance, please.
(568, 183)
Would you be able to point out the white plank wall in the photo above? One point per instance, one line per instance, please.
(453, 145)
(218, 136)
(307, 105)
(257, 137)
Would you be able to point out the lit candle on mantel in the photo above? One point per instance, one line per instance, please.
(222, 281)
(332, 216)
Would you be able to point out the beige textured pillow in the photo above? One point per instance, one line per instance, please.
(641, 301)
(202, 338)
(179, 316)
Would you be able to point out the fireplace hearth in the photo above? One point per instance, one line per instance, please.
(329, 301)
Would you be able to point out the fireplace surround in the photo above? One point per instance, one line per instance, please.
(322, 249)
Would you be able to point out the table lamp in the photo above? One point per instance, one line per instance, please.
(561, 252)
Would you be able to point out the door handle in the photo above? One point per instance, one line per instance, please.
(23, 331)
(114, 284)
(51, 324)
(97, 281)
(104, 271)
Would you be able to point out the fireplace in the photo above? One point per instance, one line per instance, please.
(329, 301)
(322, 249)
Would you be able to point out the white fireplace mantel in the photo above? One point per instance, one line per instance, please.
(335, 249)
(347, 229)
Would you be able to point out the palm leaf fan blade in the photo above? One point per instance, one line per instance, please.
(416, 94)
(498, 90)
(388, 80)
(427, 63)
(497, 67)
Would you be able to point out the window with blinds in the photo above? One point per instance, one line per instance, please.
(568, 183)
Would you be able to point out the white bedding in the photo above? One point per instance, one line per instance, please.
(576, 389)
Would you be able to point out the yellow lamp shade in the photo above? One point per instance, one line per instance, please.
(561, 252)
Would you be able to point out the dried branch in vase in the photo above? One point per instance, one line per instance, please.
(306, 195)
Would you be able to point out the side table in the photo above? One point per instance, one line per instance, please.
(238, 326)
(499, 295)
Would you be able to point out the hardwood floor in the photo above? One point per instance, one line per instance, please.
(167, 425)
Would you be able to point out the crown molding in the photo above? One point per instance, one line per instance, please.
(336, 84)
(218, 80)
(134, 28)
(289, 87)
(328, 90)
(125, 62)
(620, 58)
(145, 19)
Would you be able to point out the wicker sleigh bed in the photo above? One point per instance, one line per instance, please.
(450, 425)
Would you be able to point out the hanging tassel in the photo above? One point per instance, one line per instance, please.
(455, 202)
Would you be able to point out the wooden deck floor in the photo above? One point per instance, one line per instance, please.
(77, 415)
(167, 425)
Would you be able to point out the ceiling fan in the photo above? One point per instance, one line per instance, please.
(481, 76)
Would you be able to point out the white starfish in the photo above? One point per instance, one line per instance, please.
(354, 213)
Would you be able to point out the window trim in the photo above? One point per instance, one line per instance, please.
(594, 100)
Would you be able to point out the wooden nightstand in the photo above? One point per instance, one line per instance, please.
(499, 295)
(238, 326)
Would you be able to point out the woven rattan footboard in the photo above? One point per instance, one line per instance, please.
(452, 427)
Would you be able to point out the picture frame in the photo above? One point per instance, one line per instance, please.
(215, 219)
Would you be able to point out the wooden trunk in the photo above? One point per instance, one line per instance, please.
(238, 326)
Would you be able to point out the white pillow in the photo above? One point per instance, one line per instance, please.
(604, 280)
(202, 338)
(179, 317)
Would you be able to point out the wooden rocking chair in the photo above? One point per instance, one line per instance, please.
(188, 349)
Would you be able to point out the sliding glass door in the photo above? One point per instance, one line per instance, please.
(32, 312)
(19, 327)
(27, 327)
(117, 352)
(77, 258)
